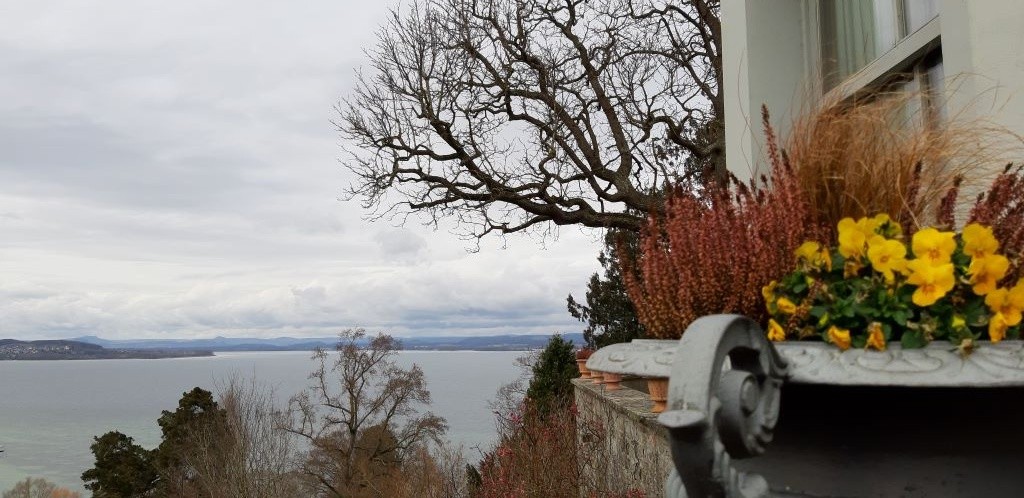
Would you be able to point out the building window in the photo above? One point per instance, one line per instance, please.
(924, 83)
(854, 33)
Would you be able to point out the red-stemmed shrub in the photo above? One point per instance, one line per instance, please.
(712, 251)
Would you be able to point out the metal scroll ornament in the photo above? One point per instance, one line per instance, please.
(723, 403)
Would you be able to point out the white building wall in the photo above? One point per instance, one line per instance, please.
(770, 56)
(763, 61)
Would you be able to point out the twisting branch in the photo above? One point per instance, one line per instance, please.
(512, 115)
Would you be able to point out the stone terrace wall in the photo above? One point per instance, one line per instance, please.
(633, 447)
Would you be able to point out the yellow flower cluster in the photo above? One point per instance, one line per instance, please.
(1006, 306)
(933, 264)
(870, 237)
(986, 270)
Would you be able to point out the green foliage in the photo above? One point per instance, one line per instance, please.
(551, 385)
(197, 415)
(473, 479)
(123, 469)
(609, 314)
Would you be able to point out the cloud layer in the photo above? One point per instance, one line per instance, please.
(168, 170)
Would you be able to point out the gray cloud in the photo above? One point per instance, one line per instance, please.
(168, 169)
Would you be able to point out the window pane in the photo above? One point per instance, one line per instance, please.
(854, 33)
(935, 80)
(918, 12)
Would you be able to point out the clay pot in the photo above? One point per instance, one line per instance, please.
(597, 377)
(611, 381)
(584, 373)
(658, 390)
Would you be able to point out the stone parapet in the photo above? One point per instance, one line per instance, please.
(632, 443)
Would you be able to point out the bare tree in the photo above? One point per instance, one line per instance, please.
(507, 115)
(254, 457)
(361, 415)
(39, 488)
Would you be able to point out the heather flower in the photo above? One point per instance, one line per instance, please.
(840, 337)
(986, 272)
(887, 256)
(933, 246)
(714, 250)
(932, 281)
(979, 241)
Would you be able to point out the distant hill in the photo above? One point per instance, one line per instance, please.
(478, 343)
(13, 349)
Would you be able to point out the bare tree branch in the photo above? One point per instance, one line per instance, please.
(509, 115)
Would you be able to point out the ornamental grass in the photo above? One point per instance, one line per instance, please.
(712, 250)
(862, 156)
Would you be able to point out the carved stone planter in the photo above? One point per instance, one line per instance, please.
(936, 365)
(922, 422)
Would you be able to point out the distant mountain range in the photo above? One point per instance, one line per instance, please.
(478, 343)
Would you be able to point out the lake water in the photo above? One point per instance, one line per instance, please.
(50, 410)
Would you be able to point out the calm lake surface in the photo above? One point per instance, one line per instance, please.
(50, 410)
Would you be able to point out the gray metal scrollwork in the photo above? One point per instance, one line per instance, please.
(719, 410)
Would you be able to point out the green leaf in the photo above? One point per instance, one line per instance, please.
(913, 339)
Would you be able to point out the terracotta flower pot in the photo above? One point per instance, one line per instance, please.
(611, 381)
(584, 372)
(658, 390)
(597, 377)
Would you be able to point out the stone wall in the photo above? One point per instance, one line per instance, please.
(626, 447)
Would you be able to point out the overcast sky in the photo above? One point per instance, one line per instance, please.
(167, 169)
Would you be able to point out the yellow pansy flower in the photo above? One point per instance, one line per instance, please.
(813, 254)
(808, 251)
(852, 237)
(958, 322)
(876, 339)
(839, 337)
(933, 246)
(997, 327)
(768, 292)
(786, 306)
(932, 281)
(979, 241)
(986, 272)
(883, 225)
(887, 256)
(775, 331)
(1007, 302)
